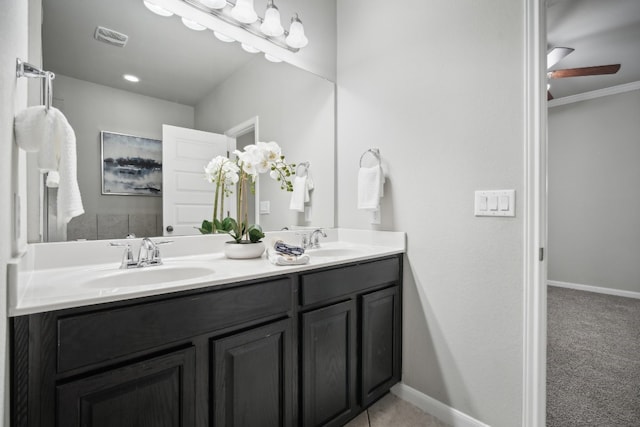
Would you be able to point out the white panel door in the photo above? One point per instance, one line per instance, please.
(187, 196)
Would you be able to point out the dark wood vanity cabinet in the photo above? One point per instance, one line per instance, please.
(350, 338)
(156, 392)
(303, 349)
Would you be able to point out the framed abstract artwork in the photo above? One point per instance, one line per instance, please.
(131, 165)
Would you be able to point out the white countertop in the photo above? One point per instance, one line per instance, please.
(52, 276)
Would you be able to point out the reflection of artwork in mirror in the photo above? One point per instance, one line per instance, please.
(131, 165)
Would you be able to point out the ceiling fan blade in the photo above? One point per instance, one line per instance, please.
(585, 71)
(556, 54)
(549, 96)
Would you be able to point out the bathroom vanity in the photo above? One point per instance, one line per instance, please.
(296, 346)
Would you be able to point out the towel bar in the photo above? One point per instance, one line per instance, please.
(24, 69)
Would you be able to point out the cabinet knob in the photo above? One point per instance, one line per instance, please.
(169, 228)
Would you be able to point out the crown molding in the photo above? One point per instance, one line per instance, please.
(628, 87)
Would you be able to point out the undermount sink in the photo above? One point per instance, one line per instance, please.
(147, 276)
(333, 252)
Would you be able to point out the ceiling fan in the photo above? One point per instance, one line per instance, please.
(558, 53)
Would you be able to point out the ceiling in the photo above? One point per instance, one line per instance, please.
(602, 32)
(173, 62)
(182, 65)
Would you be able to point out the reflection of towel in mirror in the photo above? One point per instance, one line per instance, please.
(301, 187)
(370, 187)
(49, 133)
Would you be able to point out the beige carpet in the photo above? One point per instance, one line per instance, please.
(593, 359)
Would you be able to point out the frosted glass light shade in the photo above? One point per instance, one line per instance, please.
(296, 38)
(271, 25)
(223, 37)
(244, 12)
(249, 48)
(193, 25)
(214, 4)
(157, 9)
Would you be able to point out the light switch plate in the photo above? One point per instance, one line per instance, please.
(495, 203)
(265, 207)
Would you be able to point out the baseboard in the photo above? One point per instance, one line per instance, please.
(596, 289)
(443, 412)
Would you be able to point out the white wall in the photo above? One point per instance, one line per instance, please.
(297, 110)
(594, 192)
(439, 88)
(91, 108)
(13, 44)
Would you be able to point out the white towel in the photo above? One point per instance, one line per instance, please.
(49, 133)
(370, 187)
(32, 125)
(300, 194)
(277, 258)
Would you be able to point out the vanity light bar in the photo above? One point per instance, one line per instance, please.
(253, 28)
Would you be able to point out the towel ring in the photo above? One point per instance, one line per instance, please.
(306, 168)
(375, 152)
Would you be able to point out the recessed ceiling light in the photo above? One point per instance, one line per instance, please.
(131, 78)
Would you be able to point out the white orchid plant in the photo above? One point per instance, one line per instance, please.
(234, 175)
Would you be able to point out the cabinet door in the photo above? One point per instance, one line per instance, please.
(252, 377)
(381, 343)
(158, 392)
(329, 363)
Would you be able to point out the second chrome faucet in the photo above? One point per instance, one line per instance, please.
(312, 240)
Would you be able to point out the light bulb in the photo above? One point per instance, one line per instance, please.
(157, 9)
(244, 12)
(193, 25)
(214, 4)
(223, 37)
(249, 48)
(296, 38)
(271, 25)
(272, 58)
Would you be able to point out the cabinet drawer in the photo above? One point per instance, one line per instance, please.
(100, 336)
(329, 284)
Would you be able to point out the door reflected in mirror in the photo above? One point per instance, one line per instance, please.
(188, 79)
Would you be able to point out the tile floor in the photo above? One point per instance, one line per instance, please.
(390, 411)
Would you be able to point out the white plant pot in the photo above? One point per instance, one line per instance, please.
(243, 250)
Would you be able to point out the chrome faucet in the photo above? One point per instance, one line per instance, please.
(314, 238)
(148, 255)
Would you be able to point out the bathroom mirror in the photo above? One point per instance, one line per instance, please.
(188, 79)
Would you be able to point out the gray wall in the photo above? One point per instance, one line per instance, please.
(91, 108)
(594, 192)
(295, 109)
(446, 124)
(13, 44)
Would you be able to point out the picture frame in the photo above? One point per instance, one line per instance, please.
(130, 165)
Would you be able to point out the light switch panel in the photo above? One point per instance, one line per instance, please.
(265, 207)
(495, 203)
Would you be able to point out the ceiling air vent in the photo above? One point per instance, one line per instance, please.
(110, 36)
